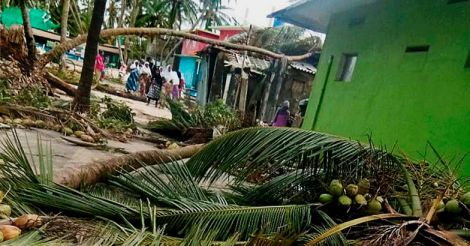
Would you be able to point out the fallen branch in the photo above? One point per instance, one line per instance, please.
(97, 171)
(60, 84)
(60, 49)
(78, 142)
(109, 90)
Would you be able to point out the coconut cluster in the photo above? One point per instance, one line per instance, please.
(68, 131)
(352, 195)
(10, 228)
(455, 206)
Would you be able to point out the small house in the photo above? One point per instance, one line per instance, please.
(396, 70)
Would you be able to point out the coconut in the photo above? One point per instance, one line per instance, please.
(27, 221)
(28, 122)
(40, 124)
(452, 206)
(79, 134)
(363, 186)
(87, 138)
(325, 198)
(360, 199)
(1, 236)
(10, 232)
(351, 190)
(18, 121)
(68, 131)
(344, 200)
(336, 189)
(441, 207)
(374, 206)
(466, 199)
(5, 209)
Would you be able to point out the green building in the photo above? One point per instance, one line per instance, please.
(398, 70)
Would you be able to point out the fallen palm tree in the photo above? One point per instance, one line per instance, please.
(97, 171)
(275, 178)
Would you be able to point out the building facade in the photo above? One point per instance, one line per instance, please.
(395, 70)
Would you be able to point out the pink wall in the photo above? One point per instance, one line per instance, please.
(191, 47)
(224, 34)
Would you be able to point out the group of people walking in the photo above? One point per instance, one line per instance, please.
(153, 81)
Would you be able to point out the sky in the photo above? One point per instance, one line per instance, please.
(257, 10)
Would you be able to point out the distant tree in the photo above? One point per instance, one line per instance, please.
(63, 28)
(28, 31)
(82, 99)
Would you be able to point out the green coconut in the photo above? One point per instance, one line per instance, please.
(336, 189)
(360, 199)
(363, 186)
(344, 200)
(452, 206)
(68, 131)
(374, 206)
(351, 190)
(465, 199)
(325, 198)
(5, 209)
(78, 134)
(40, 124)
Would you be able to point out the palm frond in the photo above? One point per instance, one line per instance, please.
(243, 220)
(32, 238)
(286, 188)
(169, 185)
(75, 202)
(338, 228)
(277, 150)
(327, 222)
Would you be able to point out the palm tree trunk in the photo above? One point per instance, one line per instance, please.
(120, 25)
(28, 32)
(82, 99)
(63, 28)
(97, 171)
(135, 11)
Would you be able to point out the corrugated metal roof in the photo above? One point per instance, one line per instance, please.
(255, 64)
(315, 14)
(305, 67)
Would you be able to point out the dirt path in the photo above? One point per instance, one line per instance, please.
(65, 154)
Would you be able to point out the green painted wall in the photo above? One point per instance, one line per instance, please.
(398, 98)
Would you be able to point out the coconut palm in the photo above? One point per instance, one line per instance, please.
(82, 99)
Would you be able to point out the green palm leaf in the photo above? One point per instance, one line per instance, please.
(278, 150)
(243, 220)
(286, 188)
(169, 185)
(75, 202)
